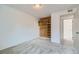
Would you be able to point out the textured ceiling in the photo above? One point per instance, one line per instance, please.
(46, 9)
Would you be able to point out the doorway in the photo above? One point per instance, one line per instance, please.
(66, 30)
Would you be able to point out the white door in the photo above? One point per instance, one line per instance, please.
(66, 31)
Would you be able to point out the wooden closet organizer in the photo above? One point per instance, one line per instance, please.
(45, 27)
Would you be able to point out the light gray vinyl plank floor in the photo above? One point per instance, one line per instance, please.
(39, 46)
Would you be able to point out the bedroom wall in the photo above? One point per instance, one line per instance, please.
(16, 27)
(76, 30)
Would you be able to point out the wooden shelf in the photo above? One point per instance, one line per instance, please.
(45, 26)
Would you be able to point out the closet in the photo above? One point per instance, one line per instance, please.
(45, 27)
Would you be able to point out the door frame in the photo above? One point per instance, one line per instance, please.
(61, 26)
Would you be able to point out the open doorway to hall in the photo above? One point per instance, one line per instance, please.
(66, 30)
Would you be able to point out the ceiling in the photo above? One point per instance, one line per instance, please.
(46, 9)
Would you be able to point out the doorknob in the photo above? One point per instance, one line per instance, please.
(77, 32)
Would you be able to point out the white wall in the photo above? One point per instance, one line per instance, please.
(55, 25)
(76, 29)
(16, 27)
